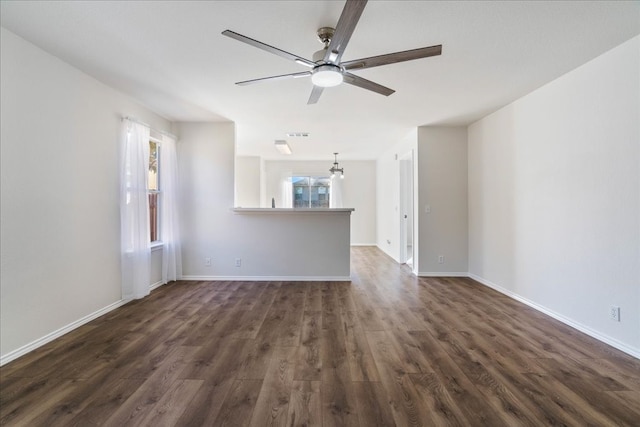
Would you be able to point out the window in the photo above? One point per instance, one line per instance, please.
(310, 191)
(154, 190)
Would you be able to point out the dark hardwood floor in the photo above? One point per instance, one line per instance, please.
(386, 349)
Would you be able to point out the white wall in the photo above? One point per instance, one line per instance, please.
(388, 195)
(442, 178)
(247, 176)
(358, 190)
(267, 248)
(554, 197)
(59, 218)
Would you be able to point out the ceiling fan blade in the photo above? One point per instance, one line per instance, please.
(315, 94)
(367, 84)
(273, 78)
(268, 48)
(391, 58)
(344, 29)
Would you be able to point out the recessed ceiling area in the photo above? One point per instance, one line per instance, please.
(172, 58)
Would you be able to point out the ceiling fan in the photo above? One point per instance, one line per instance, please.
(327, 68)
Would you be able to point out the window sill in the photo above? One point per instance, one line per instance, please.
(156, 246)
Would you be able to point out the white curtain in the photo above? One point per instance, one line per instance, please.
(335, 198)
(169, 221)
(287, 190)
(134, 210)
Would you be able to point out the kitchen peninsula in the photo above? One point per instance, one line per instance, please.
(300, 243)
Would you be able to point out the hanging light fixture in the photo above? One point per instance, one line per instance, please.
(335, 167)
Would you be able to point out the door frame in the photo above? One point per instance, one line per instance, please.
(407, 207)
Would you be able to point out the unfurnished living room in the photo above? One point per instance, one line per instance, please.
(320, 213)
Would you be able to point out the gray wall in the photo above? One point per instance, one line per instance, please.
(442, 181)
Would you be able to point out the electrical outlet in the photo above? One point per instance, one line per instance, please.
(238, 262)
(207, 262)
(441, 259)
(614, 313)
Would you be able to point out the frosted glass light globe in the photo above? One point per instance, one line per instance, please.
(326, 76)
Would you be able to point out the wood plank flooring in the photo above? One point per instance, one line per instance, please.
(386, 349)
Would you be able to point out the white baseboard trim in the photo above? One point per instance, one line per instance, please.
(12, 355)
(567, 321)
(363, 244)
(270, 278)
(444, 274)
(156, 285)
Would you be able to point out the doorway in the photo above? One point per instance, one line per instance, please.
(407, 247)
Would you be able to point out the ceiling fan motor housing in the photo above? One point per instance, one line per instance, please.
(318, 57)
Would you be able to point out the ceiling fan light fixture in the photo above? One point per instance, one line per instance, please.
(326, 75)
(327, 67)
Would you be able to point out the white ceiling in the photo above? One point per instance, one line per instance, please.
(171, 56)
